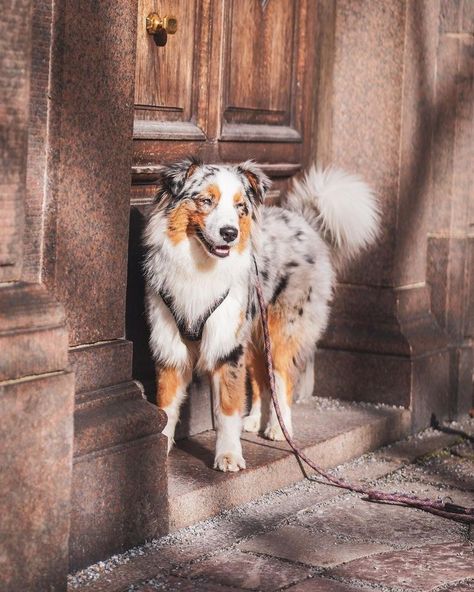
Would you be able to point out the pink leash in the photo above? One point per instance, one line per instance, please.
(445, 509)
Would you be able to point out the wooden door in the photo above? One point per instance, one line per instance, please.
(235, 82)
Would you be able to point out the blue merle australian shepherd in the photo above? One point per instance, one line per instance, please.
(206, 231)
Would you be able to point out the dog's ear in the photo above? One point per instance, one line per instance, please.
(174, 176)
(256, 183)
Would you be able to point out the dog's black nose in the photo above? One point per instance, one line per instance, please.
(229, 233)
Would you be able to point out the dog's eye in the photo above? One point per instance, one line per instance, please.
(242, 207)
(206, 202)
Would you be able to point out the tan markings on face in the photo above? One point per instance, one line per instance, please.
(197, 218)
(245, 223)
(168, 383)
(232, 387)
(178, 222)
(214, 192)
(190, 215)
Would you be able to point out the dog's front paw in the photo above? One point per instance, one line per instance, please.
(170, 443)
(229, 461)
(274, 432)
(252, 423)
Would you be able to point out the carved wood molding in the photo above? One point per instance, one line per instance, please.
(145, 129)
(245, 132)
(149, 174)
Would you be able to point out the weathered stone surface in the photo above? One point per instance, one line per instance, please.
(340, 522)
(369, 54)
(452, 477)
(397, 526)
(456, 472)
(110, 513)
(466, 586)
(173, 584)
(366, 469)
(421, 569)
(409, 481)
(324, 585)
(416, 447)
(33, 336)
(303, 546)
(136, 567)
(36, 432)
(14, 98)
(119, 481)
(86, 250)
(330, 436)
(246, 571)
(100, 365)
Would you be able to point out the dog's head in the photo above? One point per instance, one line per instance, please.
(213, 204)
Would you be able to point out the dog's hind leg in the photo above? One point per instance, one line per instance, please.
(284, 392)
(171, 391)
(285, 350)
(228, 389)
(259, 383)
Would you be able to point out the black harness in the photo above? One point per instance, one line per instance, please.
(194, 331)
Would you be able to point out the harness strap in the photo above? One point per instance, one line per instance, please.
(194, 331)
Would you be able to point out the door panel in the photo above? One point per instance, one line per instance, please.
(234, 82)
(259, 61)
(171, 81)
(259, 71)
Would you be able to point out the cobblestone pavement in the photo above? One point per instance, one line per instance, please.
(314, 538)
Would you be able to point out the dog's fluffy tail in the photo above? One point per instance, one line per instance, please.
(340, 206)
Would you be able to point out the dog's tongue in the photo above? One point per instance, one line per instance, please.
(222, 250)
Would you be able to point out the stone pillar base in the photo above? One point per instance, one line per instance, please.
(384, 346)
(119, 489)
(36, 433)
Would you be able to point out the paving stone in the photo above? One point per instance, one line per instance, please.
(421, 569)
(247, 571)
(324, 585)
(417, 446)
(359, 520)
(251, 518)
(174, 584)
(449, 470)
(410, 480)
(299, 544)
(366, 470)
(138, 568)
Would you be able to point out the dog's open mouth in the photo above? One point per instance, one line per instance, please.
(217, 250)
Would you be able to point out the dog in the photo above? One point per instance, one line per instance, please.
(206, 235)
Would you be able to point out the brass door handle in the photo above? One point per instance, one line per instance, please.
(161, 27)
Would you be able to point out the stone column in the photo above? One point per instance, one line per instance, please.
(36, 389)
(119, 492)
(451, 236)
(384, 344)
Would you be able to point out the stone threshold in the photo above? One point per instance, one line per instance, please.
(331, 434)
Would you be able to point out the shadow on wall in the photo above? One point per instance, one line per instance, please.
(136, 325)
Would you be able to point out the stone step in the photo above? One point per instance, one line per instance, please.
(330, 434)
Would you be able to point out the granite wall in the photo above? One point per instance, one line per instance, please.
(395, 105)
(36, 386)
